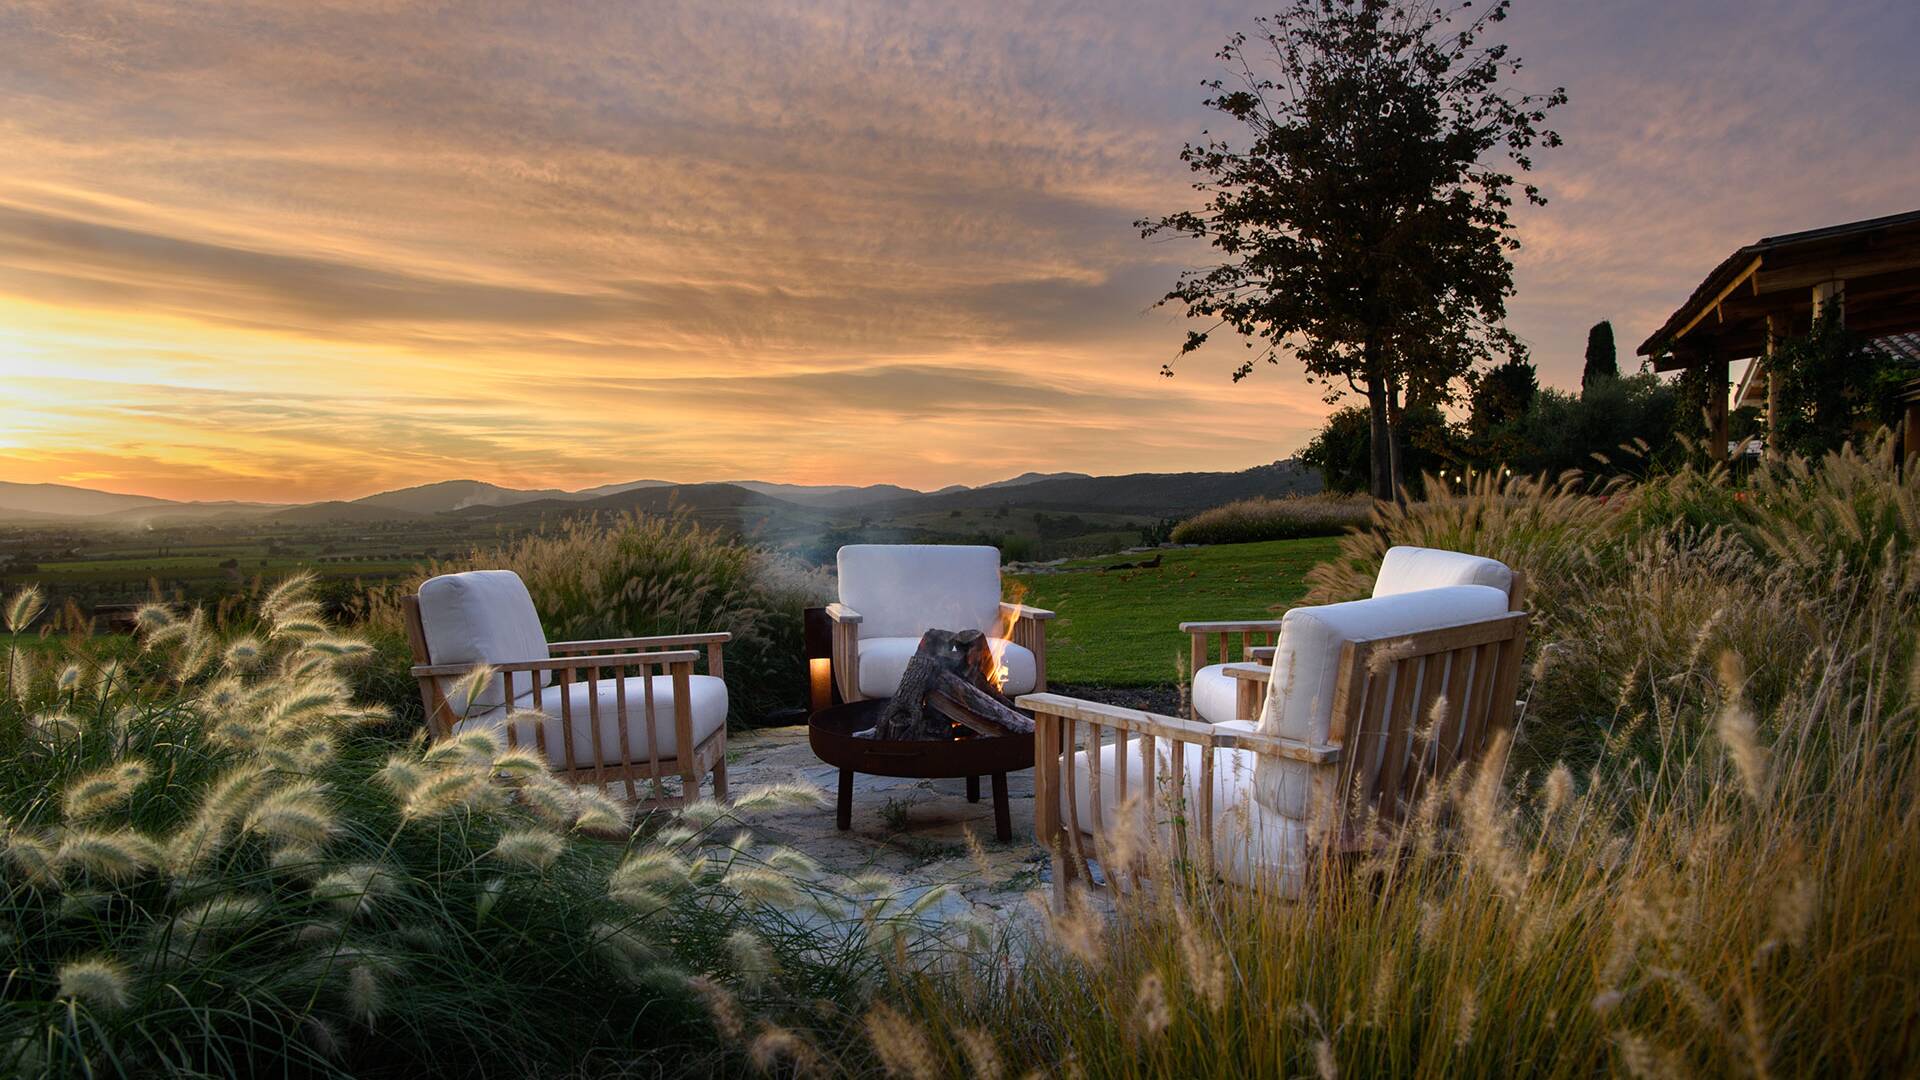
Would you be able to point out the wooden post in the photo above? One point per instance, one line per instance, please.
(1910, 435)
(1717, 387)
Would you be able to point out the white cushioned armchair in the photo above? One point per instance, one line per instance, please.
(615, 710)
(1231, 687)
(1355, 688)
(890, 594)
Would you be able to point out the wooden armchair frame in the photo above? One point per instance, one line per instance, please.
(1027, 629)
(590, 661)
(1258, 642)
(1385, 690)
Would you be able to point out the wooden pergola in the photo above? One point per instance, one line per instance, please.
(1775, 288)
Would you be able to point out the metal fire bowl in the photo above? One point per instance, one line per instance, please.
(830, 731)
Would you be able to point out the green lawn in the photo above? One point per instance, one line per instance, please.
(1122, 628)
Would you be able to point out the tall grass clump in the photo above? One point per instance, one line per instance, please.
(1260, 518)
(208, 865)
(639, 576)
(1716, 887)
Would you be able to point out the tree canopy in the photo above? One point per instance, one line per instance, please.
(1363, 225)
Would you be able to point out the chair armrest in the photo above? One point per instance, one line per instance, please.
(1262, 654)
(560, 663)
(565, 647)
(841, 613)
(1022, 611)
(1248, 672)
(1277, 746)
(1114, 716)
(1232, 626)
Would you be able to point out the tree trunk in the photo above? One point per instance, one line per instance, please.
(1381, 455)
(1396, 439)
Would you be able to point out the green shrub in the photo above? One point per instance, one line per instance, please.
(1253, 520)
(639, 576)
(209, 865)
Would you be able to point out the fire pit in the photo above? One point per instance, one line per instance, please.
(963, 752)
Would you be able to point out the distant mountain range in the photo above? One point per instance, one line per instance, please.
(1148, 493)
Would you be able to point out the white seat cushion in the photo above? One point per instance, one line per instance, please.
(707, 694)
(1299, 703)
(1410, 569)
(904, 590)
(1251, 845)
(884, 660)
(482, 616)
(1215, 695)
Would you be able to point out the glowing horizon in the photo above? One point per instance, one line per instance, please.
(323, 251)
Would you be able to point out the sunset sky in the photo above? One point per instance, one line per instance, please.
(313, 250)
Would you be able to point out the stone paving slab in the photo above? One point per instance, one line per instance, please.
(914, 831)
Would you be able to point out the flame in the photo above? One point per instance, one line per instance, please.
(1000, 637)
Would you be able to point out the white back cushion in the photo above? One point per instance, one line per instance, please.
(1409, 569)
(482, 616)
(904, 590)
(1306, 668)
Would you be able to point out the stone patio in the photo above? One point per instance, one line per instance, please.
(911, 830)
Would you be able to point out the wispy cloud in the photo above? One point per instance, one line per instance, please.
(305, 250)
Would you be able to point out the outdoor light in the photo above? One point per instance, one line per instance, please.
(820, 682)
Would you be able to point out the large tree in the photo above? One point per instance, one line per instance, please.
(1364, 224)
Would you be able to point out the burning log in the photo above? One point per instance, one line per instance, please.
(949, 680)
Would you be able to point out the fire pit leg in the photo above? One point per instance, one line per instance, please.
(973, 789)
(843, 813)
(1002, 816)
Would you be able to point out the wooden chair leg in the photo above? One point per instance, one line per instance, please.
(720, 779)
(973, 789)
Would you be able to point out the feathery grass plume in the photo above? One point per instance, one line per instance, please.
(32, 857)
(1324, 1065)
(983, 1058)
(701, 813)
(649, 869)
(721, 1007)
(1206, 965)
(221, 915)
(1151, 1016)
(552, 800)
(447, 792)
(19, 673)
(519, 764)
(623, 942)
(901, 1047)
(401, 775)
(55, 728)
(1792, 913)
(766, 888)
(1079, 930)
(466, 748)
(243, 653)
(1465, 1020)
(298, 814)
(875, 884)
(1489, 831)
(774, 1047)
(99, 982)
(534, 849)
(598, 813)
(1737, 730)
(364, 995)
(777, 796)
(69, 678)
(752, 958)
(25, 606)
(341, 648)
(102, 790)
(112, 855)
(149, 618)
(298, 703)
(472, 684)
(793, 863)
(1557, 791)
(353, 889)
